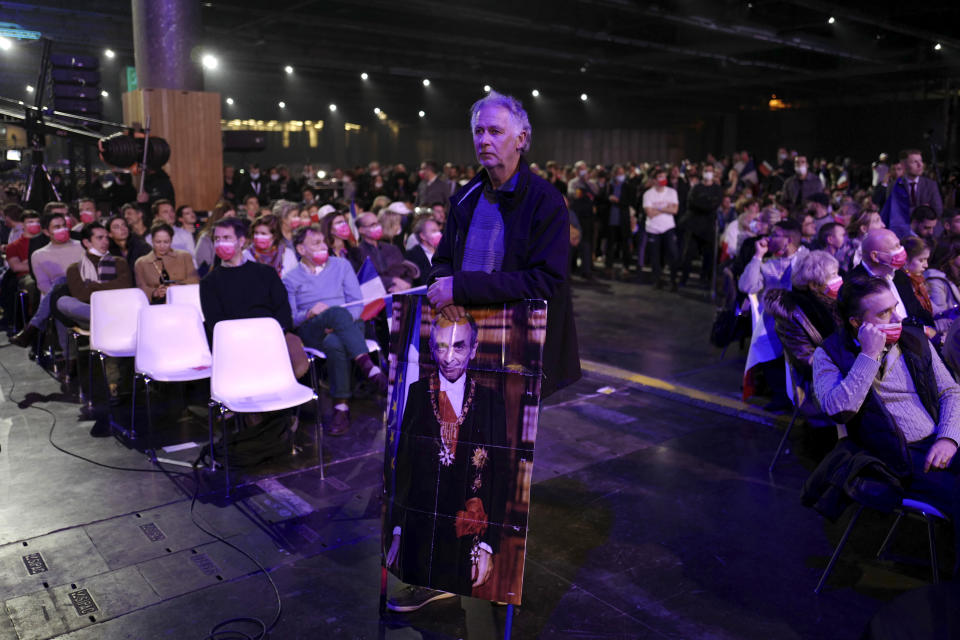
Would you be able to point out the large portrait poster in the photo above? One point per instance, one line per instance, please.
(461, 426)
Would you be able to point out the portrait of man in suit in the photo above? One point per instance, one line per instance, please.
(451, 470)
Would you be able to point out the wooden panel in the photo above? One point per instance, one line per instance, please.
(190, 122)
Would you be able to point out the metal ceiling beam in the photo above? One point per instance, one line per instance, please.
(837, 10)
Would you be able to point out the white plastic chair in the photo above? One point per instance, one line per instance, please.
(188, 294)
(251, 374)
(171, 347)
(113, 332)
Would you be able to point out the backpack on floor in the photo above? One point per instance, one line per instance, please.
(272, 438)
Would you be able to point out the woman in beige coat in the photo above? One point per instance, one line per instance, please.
(164, 267)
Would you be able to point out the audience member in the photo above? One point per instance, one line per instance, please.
(164, 266)
(124, 244)
(923, 223)
(205, 255)
(660, 204)
(943, 283)
(784, 248)
(428, 235)
(701, 225)
(801, 186)
(336, 230)
(134, 217)
(432, 187)
(395, 272)
(267, 246)
(96, 270)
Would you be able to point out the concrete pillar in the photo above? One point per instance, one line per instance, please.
(165, 33)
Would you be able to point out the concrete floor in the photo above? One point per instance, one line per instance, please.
(652, 516)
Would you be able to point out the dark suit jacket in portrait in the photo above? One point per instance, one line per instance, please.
(438, 503)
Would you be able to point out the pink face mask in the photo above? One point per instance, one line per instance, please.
(833, 287)
(662, 182)
(62, 234)
(294, 223)
(262, 241)
(86, 217)
(319, 257)
(341, 230)
(898, 259)
(225, 250)
(433, 238)
(32, 227)
(376, 232)
(891, 330)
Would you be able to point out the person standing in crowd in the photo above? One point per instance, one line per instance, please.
(507, 239)
(317, 290)
(701, 226)
(622, 196)
(164, 266)
(800, 187)
(432, 187)
(255, 185)
(660, 204)
(908, 192)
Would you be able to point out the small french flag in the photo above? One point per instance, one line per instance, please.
(371, 290)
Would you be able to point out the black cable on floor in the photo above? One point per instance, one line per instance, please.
(219, 630)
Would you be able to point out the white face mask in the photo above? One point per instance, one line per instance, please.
(801, 169)
(707, 175)
(97, 252)
(254, 174)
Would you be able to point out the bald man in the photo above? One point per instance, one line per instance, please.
(884, 257)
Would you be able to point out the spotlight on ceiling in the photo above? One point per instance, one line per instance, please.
(29, 88)
(333, 107)
(487, 88)
(5, 44)
(583, 97)
(426, 82)
(376, 110)
(230, 101)
(105, 93)
(422, 113)
(364, 76)
(282, 104)
(321, 174)
(831, 20)
(535, 93)
(937, 47)
(210, 61)
(288, 69)
(110, 54)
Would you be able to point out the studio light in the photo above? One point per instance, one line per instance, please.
(282, 104)
(583, 97)
(487, 88)
(29, 88)
(105, 93)
(831, 20)
(937, 47)
(535, 93)
(110, 54)
(321, 174)
(210, 61)
(376, 110)
(426, 82)
(5, 44)
(422, 113)
(230, 101)
(364, 76)
(288, 69)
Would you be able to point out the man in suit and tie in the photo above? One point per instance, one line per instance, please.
(451, 475)
(910, 191)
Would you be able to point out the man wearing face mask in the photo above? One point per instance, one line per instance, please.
(428, 234)
(386, 258)
(622, 195)
(660, 204)
(96, 270)
(701, 225)
(240, 288)
(318, 290)
(888, 385)
(784, 249)
(798, 188)
(884, 257)
(87, 210)
(256, 185)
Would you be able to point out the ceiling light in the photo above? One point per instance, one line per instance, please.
(535, 93)
(333, 107)
(321, 174)
(230, 101)
(487, 88)
(831, 20)
(105, 93)
(5, 44)
(210, 61)
(421, 113)
(288, 69)
(376, 110)
(426, 82)
(110, 54)
(937, 47)
(29, 88)
(364, 76)
(583, 97)
(282, 104)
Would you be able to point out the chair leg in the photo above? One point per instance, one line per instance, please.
(318, 432)
(889, 538)
(149, 439)
(90, 380)
(226, 444)
(783, 440)
(106, 386)
(836, 552)
(211, 405)
(133, 403)
(933, 549)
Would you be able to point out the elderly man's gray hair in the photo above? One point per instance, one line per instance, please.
(513, 106)
(282, 207)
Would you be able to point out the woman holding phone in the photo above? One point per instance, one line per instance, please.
(164, 266)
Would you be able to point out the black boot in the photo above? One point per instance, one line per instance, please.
(26, 337)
